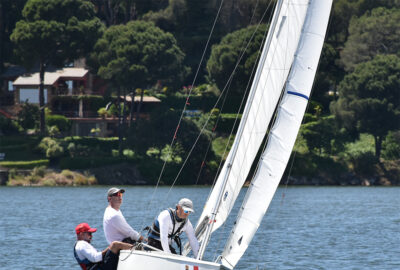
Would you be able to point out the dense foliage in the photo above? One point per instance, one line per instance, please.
(243, 44)
(54, 32)
(155, 47)
(369, 98)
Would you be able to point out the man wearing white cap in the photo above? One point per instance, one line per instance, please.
(115, 226)
(170, 224)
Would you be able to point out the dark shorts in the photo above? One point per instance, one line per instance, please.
(157, 244)
(110, 261)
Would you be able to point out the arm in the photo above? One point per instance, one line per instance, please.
(164, 221)
(194, 243)
(125, 228)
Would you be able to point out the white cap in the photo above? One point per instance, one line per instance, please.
(186, 205)
(114, 190)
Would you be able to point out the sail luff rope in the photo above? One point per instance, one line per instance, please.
(184, 108)
(235, 147)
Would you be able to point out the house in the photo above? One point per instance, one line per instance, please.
(62, 91)
(66, 81)
(107, 126)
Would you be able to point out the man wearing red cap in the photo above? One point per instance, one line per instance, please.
(88, 257)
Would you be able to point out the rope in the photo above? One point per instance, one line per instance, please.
(184, 108)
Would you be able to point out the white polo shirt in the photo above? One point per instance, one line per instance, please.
(115, 226)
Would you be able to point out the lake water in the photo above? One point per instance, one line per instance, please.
(304, 228)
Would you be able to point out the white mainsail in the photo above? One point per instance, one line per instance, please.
(273, 69)
(283, 133)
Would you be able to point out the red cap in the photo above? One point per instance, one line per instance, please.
(84, 227)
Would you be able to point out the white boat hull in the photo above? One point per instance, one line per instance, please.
(157, 260)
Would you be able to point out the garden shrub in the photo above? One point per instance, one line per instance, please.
(61, 122)
(24, 164)
(8, 126)
(51, 147)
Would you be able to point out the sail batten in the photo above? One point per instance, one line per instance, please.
(283, 133)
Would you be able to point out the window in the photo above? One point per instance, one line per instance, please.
(10, 86)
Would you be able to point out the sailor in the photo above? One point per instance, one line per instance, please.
(88, 257)
(115, 226)
(170, 224)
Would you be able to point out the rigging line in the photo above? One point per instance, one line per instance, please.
(219, 98)
(259, 105)
(223, 103)
(213, 133)
(246, 91)
(247, 87)
(186, 103)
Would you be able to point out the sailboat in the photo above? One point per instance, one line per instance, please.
(280, 90)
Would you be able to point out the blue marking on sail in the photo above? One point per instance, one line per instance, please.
(297, 94)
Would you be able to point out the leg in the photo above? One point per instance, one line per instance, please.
(116, 246)
(110, 261)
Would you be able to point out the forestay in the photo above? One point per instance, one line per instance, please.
(275, 62)
(283, 133)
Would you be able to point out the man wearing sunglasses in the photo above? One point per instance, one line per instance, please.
(115, 226)
(170, 224)
(88, 257)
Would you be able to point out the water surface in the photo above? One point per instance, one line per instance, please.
(304, 228)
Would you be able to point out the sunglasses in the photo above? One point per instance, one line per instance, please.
(186, 211)
(118, 194)
(89, 233)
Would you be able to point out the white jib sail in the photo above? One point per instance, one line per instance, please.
(273, 69)
(283, 133)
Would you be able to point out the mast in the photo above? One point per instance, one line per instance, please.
(240, 130)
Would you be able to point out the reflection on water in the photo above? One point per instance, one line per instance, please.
(311, 228)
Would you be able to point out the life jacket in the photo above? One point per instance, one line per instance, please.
(154, 230)
(85, 264)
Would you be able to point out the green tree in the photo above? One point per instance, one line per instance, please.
(10, 13)
(376, 32)
(344, 10)
(158, 133)
(137, 55)
(224, 56)
(115, 12)
(391, 146)
(54, 32)
(369, 99)
(321, 135)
